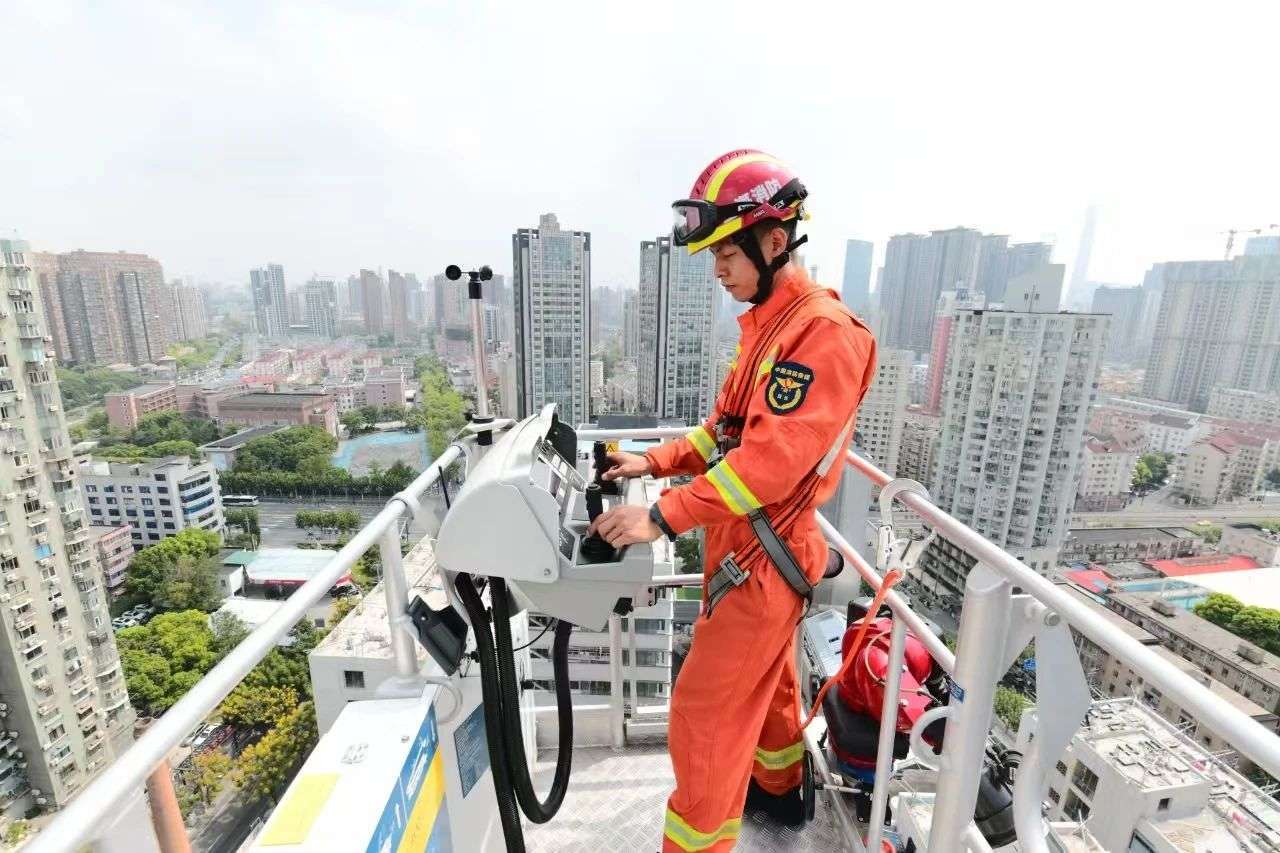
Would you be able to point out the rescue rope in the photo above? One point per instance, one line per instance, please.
(890, 580)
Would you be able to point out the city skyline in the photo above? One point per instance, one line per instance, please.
(871, 165)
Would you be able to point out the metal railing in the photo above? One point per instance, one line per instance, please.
(998, 583)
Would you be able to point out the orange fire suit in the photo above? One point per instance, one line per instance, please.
(735, 710)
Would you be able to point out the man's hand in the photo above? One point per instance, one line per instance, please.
(627, 465)
(625, 525)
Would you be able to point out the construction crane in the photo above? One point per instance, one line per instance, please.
(1231, 236)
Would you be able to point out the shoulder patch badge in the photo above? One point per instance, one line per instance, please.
(788, 384)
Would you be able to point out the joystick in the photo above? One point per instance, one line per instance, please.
(600, 458)
(594, 548)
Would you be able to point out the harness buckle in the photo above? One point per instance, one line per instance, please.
(734, 572)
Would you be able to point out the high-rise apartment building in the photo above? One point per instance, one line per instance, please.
(1018, 391)
(1078, 294)
(1124, 304)
(398, 306)
(677, 347)
(855, 290)
(44, 272)
(552, 296)
(320, 300)
(192, 319)
(943, 325)
(270, 305)
(920, 431)
(1250, 406)
(992, 271)
(416, 301)
(1265, 244)
(1218, 326)
(1022, 258)
(109, 307)
(373, 302)
(884, 409)
(66, 712)
(631, 324)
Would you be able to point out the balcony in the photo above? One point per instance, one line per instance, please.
(631, 778)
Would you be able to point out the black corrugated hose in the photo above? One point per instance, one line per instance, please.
(512, 784)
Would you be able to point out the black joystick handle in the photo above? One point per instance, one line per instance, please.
(594, 547)
(600, 458)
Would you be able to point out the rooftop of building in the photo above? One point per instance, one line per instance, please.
(1202, 633)
(95, 467)
(144, 388)
(363, 633)
(1099, 535)
(1153, 754)
(269, 400)
(1117, 621)
(279, 565)
(1228, 441)
(1255, 588)
(384, 374)
(1128, 570)
(98, 531)
(1255, 529)
(1170, 421)
(241, 438)
(1206, 564)
(1094, 580)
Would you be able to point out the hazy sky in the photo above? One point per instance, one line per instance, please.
(326, 137)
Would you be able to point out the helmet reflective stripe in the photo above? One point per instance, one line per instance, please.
(718, 179)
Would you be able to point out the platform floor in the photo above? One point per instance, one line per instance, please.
(617, 800)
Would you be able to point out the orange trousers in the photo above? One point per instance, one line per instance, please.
(735, 713)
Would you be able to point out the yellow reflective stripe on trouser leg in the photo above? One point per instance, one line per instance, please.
(702, 442)
(688, 838)
(733, 491)
(780, 759)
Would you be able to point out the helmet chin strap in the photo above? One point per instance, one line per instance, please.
(750, 246)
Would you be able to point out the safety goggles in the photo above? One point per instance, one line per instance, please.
(695, 219)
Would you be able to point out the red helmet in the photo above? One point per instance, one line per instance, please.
(735, 192)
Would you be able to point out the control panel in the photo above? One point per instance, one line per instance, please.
(522, 514)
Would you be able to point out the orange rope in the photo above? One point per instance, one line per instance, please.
(890, 580)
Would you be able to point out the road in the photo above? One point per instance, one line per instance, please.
(276, 518)
(233, 820)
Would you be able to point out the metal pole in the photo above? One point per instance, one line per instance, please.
(616, 724)
(888, 731)
(631, 669)
(477, 350)
(396, 588)
(166, 817)
(984, 623)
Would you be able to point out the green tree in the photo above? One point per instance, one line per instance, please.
(265, 767)
(1141, 475)
(246, 520)
(174, 447)
(81, 386)
(150, 567)
(1219, 608)
(209, 772)
(189, 583)
(1211, 533)
(1009, 705)
(163, 659)
(228, 631)
(1258, 625)
(689, 550)
(16, 831)
(258, 706)
(341, 608)
(98, 422)
(353, 421)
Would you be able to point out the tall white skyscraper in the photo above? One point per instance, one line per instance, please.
(551, 284)
(270, 305)
(1018, 391)
(678, 300)
(66, 711)
(321, 307)
(855, 290)
(884, 410)
(1079, 292)
(190, 318)
(1218, 325)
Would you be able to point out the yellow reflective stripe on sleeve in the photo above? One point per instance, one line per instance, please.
(702, 442)
(733, 491)
(688, 838)
(780, 759)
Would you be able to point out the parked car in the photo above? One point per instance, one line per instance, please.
(344, 590)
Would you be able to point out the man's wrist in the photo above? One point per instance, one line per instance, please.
(655, 515)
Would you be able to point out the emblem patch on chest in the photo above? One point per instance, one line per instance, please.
(788, 384)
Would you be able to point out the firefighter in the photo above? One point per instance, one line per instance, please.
(771, 451)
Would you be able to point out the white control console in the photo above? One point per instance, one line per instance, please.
(522, 515)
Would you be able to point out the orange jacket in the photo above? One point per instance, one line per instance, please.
(800, 417)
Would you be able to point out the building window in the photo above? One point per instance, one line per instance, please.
(354, 678)
(1085, 780)
(146, 490)
(1164, 804)
(1138, 844)
(1076, 808)
(1062, 768)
